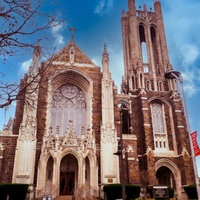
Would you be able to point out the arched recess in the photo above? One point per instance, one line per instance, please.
(92, 171)
(87, 173)
(154, 44)
(143, 44)
(165, 176)
(68, 175)
(164, 162)
(69, 82)
(134, 82)
(160, 86)
(148, 85)
(49, 174)
(45, 175)
(124, 108)
(141, 80)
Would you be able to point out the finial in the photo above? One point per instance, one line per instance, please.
(36, 55)
(72, 29)
(105, 48)
(123, 86)
(37, 46)
(131, 7)
(145, 7)
(38, 42)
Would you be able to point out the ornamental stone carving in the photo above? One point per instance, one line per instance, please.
(70, 137)
(28, 130)
(184, 152)
(108, 134)
(56, 143)
(149, 150)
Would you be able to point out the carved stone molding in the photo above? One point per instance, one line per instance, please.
(108, 134)
(27, 130)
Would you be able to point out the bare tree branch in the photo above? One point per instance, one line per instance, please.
(19, 21)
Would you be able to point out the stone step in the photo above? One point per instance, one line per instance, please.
(63, 197)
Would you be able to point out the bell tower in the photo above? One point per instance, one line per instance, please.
(145, 47)
(158, 136)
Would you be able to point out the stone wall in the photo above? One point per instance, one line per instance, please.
(142, 128)
(7, 158)
(95, 74)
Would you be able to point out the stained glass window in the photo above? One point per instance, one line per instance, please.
(68, 104)
(157, 118)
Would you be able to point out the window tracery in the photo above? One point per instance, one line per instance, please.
(157, 117)
(159, 132)
(68, 104)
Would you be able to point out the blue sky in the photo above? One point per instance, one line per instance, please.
(99, 21)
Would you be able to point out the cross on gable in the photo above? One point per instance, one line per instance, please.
(72, 30)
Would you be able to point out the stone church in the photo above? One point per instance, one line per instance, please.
(70, 121)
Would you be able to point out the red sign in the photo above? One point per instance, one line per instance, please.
(195, 144)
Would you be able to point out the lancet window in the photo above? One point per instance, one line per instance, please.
(68, 105)
(159, 127)
(125, 118)
(148, 85)
(154, 44)
(160, 86)
(143, 44)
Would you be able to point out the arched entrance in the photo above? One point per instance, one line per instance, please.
(165, 177)
(49, 174)
(68, 174)
(87, 173)
(165, 168)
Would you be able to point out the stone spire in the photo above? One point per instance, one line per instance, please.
(105, 63)
(161, 29)
(131, 7)
(108, 134)
(25, 153)
(36, 55)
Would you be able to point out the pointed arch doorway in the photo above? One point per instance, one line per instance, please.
(68, 174)
(165, 177)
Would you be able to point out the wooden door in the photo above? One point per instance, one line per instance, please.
(67, 183)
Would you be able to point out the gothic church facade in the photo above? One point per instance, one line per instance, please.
(69, 120)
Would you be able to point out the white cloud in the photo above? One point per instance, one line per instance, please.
(190, 53)
(59, 39)
(56, 32)
(183, 40)
(56, 28)
(25, 67)
(103, 7)
(99, 7)
(191, 82)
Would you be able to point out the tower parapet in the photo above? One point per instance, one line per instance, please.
(145, 48)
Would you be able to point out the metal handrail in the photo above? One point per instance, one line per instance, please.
(54, 193)
(73, 195)
(49, 193)
(88, 193)
(81, 192)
